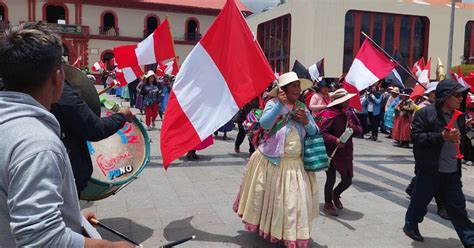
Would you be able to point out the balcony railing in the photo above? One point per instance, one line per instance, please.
(109, 31)
(4, 25)
(192, 36)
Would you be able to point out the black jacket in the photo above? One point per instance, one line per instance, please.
(427, 126)
(78, 125)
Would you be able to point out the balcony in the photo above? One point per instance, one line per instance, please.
(192, 36)
(4, 25)
(109, 31)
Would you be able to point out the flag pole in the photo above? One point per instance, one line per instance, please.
(394, 60)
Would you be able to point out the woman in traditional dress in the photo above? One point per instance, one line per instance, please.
(150, 93)
(392, 103)
(403, 116)
(336, 119)
(278, 198)
(165, 92)
(321, 99)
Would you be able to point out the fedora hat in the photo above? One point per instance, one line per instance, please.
(289, 78)
(149, 74)
(395, 90)
(405, 92)
(339, 96)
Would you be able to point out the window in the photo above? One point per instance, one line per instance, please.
(109, 24)
(55, 13)
(469, 43)
(3, 13)
(405, 33)
(348, 41)
(151, 23)
(192, 30)
(274, 38)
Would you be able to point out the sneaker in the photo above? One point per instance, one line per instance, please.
(329, 209)
(413, 233)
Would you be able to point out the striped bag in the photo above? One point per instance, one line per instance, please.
(315, 157)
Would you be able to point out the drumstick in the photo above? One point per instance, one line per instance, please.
(96, 222)
(105, 89)
(177, 242)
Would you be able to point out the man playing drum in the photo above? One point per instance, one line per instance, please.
(38, 199)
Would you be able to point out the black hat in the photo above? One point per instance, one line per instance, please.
(321, 84)
(447, 87)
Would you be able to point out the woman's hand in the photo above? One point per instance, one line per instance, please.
(282, 97)
(301, 116)
(339, 143)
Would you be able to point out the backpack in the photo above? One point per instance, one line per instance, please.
(256, 133)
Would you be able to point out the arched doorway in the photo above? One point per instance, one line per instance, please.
(55, 14)
(3, 16)
(192, 28)
(109, 24)
(151, 24)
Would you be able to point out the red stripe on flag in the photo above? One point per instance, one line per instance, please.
(375, 60)
(125, 56)
(418, 91)
(174, 141)
(163, 42)
(231, 45)
(355, 101)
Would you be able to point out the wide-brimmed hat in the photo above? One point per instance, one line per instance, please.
(339, 96)
(431, 87)
(289, 78)
(395, 90)
(149, 74)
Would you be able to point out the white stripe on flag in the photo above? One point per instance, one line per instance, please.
(360, 76)
(397, 75)
(129, 74)
(145, 51)
(199, 79)
(313, 72)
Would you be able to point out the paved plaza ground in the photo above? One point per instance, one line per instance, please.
(195, 198)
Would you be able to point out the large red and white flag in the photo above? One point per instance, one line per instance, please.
(157, 47)
(422, 72)
(127, 75)
(98, 66)
(223, 72)
(369, 66)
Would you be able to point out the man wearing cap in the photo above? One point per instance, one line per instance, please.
(436, 165)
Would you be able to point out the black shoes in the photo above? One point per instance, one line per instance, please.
(413, 233)
(443, 213)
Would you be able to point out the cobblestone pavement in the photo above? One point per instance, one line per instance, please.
(195, 198)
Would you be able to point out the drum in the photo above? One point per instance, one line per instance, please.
(117, 161)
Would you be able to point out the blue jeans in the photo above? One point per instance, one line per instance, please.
(450, 186)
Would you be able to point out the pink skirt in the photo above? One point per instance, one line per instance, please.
(401, 129)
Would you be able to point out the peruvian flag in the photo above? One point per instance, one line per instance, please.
(127, 75)
(464, 81)
(224, 71)
(170, 68)
(422, 72)
(98, 66)
(368, 67)
(157, 47)
(317, 70)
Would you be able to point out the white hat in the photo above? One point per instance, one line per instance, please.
(149, 74)
(430, 87)
(339, 96)
(289, 78)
